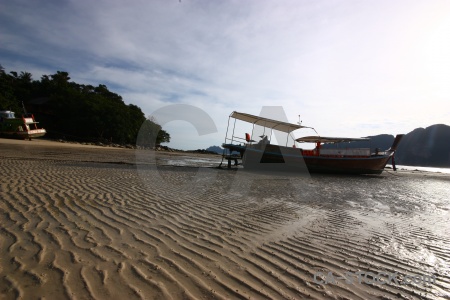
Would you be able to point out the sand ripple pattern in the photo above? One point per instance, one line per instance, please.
(98, 231)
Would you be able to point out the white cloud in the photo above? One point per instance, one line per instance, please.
(342, 66)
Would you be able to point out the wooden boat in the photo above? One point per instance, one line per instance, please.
(24, 127)
(262, 155)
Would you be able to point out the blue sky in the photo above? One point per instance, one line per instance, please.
(349, 68)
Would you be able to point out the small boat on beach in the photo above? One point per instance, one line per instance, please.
(24, 127)
(263, 155)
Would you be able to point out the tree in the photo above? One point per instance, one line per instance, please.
(76, 111)
(151, 134)
(163, 137)
(7, 97)
(60, 77)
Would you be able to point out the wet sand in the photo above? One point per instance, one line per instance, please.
(88, 222)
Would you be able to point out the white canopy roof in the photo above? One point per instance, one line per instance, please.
(323, 139)
(265, 122)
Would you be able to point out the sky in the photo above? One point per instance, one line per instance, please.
(348, 68)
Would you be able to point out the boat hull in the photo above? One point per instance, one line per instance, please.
(24, 134)
(370, 165)
(291, 159)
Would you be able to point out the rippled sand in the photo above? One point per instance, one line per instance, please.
(89, 222)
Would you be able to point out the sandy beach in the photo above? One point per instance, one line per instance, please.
(89, 222)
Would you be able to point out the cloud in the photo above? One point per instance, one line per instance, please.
(338, 65)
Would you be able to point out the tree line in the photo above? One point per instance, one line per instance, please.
(79, 112)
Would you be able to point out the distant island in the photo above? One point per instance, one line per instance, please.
(428, 147)
(216, 149)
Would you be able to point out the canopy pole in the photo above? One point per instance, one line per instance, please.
(287, 138)
(226, 135)
(234, 127)
(228, 125)
(253, 129)
(293, 139)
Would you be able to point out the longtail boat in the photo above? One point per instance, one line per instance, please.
(261, 154)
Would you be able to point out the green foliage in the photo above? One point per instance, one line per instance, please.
(76, 111)
(8, 99)
(163, 137)
(151, 134)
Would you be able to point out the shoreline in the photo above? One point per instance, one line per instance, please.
(47, 149)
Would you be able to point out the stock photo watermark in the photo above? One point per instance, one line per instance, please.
(205, 177)
(378, 278)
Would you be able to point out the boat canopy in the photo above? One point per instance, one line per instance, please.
(7, 114)
(265, 122)
(323, 139)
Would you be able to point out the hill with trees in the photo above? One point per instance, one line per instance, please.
(428, 147)
(77, 112)
(216, 149)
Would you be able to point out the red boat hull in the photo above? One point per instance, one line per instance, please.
(291, 159)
